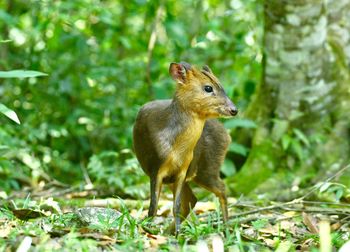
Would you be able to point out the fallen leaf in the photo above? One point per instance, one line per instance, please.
(26, 214)
(290, 213)
(5, 231)
(166, 209)
(287, 225)
(307, 244)
(336, 226)
(157, 240)
(270, 242)
(202, 207)
(310, 222)
(106, 240)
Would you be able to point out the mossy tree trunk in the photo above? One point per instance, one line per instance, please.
(302, 105)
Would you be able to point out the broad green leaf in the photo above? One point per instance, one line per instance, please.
(285, 142)
(260, 223)
(302, 137)
(238, 148)
(228, 168)
(280, 128)
(339, 193)
(21, 74)
(243, 123)
(324, 187)
(298, 149)
(4, 149)
(9, 113)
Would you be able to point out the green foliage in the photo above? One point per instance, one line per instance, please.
(335, 191)
(101, 72)
(258, 224)
(239, 122)
(129, 180)
(9, 113)
(20, 74)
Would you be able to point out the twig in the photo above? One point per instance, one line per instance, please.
(336, 211)
(325, 203)
(261, 209)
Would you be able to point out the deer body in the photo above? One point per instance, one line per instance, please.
(177, 140)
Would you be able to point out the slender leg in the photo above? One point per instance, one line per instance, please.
(188, 201)
(156, 186)
(216, 186)
(178, 194)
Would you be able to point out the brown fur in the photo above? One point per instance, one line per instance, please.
(176, 140)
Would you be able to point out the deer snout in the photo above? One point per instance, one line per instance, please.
(231, 108)
(233, 111)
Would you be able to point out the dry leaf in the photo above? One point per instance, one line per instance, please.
(26, 214)
(270, 242)
(99, 237)
(290, 214)
(307, 244)
(287, 225)
(310, 222)
(5, 231)
(157, 240)
(336, 226)
(166, 209)
(202, 207)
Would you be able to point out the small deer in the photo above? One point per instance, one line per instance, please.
(178, 140)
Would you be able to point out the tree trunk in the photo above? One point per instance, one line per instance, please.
(302, 104)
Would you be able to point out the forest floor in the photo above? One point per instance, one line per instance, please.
(62, 219)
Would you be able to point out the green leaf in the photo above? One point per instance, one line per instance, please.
(324, 187)
(298, 149)
(259, 224)
(21, 74)
(9, 113)
(228, 168)
(238, 148)
(301, 137)
(339, 193)
(4, 149)
(243, 123)
(285, 142)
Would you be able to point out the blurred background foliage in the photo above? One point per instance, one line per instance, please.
(104, 59)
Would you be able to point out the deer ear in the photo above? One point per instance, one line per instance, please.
(207, 69)
(178, 71)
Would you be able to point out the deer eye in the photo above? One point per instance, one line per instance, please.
(208, 89)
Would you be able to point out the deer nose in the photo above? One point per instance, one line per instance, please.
(234, 111)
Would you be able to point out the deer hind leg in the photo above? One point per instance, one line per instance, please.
(156, 187)
(188, 202)
(217, 186)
